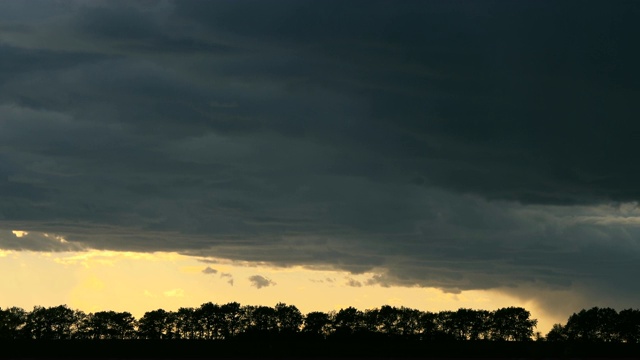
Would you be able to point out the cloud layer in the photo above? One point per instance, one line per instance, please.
(461, 145)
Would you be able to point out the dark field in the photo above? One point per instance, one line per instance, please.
(311, 348)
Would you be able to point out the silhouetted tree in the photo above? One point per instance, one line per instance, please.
(371, 321)
(472, 324)
(609, 326)
(447, 326)
(232, 316)
(537, 336)
(317, 323)
(593, 325)
(211, 321)
(429, 326)
(58, 322)
(512, 324)
(289, 318)
(156, 324)
(12, 322)
(348, 322)
(122, 325)
(629, 325)
(557, 333)
(387, 320)
(210, 318)
(37, 325)
(186, 323)
(408, 321)
(107, 325)
(262, 320)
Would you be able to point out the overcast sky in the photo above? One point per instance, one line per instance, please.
(462, 145)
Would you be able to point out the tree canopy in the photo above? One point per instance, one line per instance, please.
(212, 321)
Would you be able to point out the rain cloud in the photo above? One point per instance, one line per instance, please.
(458, 145)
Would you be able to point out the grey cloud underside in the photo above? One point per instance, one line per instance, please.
(463, 145)
(353, 282)
(259, 281)
(209, 270)
(37, 242)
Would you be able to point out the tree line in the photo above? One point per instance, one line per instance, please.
(599, 325)
(211, 321)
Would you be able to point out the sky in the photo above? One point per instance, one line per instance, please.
(322, 153)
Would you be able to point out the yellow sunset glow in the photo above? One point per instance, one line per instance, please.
(139, 282)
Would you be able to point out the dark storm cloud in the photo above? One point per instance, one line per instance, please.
(521, 98)
(17, 61)
(462, 145)
(135, 28)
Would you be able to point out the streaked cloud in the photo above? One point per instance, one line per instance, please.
(174, 293)
(36, 241)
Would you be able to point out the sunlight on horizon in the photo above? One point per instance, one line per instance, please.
(19, 233)
(97, 280)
